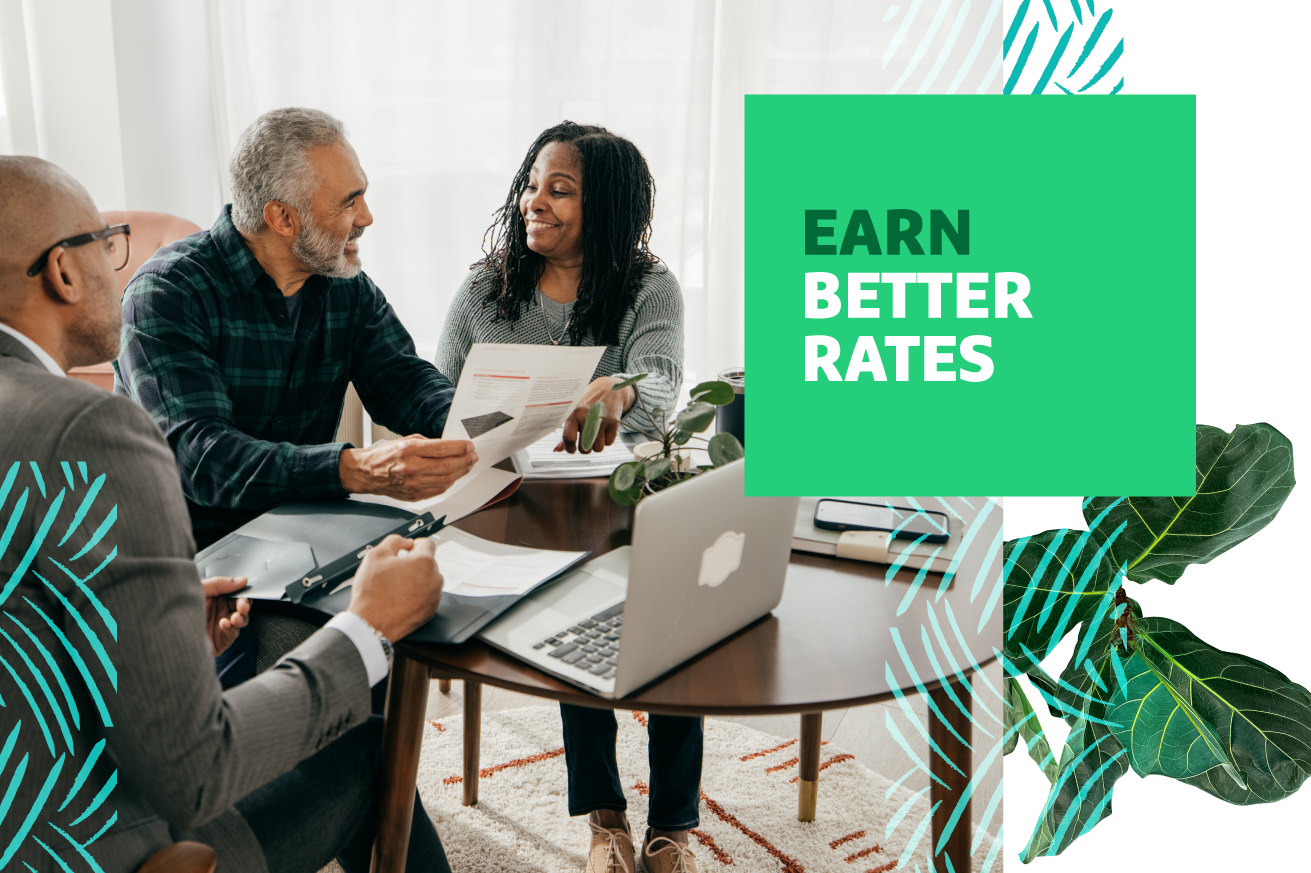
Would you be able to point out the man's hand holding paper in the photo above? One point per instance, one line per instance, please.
(412, 468)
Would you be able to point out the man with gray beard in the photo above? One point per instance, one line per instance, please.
(240, 342)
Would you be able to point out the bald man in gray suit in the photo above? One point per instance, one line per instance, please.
(115, 737)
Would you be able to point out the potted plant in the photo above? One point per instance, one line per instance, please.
(666, 460)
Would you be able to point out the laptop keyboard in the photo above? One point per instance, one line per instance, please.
(592, 645)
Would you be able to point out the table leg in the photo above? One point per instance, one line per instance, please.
(473, 722)
(402, 735)
(812, 727)
(444, 686)
(957, 845)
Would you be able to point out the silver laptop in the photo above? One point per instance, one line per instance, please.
(705, 562)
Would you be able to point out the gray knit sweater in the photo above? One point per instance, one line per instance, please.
(650, 335)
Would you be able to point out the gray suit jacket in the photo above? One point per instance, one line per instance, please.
(110, 702)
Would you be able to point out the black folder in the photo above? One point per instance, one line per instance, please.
(312, 547)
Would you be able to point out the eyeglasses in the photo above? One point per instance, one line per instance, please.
(118, 251)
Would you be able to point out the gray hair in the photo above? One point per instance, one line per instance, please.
(270, 163)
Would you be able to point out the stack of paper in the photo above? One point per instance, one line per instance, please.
(541, 461)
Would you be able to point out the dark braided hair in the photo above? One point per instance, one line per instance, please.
(618, 197)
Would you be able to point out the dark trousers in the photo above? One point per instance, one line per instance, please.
(673, 750)
(326, 808)
(237, 663)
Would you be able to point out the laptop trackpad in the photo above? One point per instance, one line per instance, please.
(589, 589)
(579, 595)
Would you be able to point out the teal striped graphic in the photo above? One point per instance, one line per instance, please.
(1062, 46)
(951, 650)
(48, 683)
(942, 47)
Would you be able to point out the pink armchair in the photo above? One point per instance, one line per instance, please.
(151, 231)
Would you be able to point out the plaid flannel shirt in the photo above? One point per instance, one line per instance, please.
(249, 408)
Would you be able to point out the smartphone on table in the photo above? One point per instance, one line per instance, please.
(900, 521)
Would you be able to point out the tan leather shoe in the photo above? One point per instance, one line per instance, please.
(663, 855)
(612, 850)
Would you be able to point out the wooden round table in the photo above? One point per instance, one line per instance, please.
(841, 632)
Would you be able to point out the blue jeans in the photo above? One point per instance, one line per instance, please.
(325, 809)
(673, 751)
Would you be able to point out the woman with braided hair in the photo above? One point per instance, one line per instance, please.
(567, 261)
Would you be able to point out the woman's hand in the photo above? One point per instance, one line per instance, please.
(224, 616)
(616, 404)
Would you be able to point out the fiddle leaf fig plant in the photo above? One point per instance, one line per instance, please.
(1145, 693)
(670, 463)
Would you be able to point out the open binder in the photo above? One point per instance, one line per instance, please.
(303, 552)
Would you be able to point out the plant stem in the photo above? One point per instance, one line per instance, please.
(1126, 618)
(649, 416)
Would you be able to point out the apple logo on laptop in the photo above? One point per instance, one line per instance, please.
(721, 558)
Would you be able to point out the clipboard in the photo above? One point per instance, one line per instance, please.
(338, 571)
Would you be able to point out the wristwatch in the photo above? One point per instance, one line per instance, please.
(386, 643)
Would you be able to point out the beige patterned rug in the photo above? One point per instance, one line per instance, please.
(748, 807)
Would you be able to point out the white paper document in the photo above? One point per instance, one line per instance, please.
(510, 395)
(476, 567)
(542, 461)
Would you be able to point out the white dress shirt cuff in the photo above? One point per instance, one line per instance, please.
(357, 630)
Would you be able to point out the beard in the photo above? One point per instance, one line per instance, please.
(94, 337)
(324, 254)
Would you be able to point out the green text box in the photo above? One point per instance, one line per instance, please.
(1091, 199)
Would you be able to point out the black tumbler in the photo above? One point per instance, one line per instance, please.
(732, 417)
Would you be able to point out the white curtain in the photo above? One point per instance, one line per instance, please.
(443, 98)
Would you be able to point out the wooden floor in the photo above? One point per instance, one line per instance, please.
(860, 730)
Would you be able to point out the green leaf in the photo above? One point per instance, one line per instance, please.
(1051, 583)
(592, 425)
(631, 380)
(657, 467)
(695, 418)
(1262, 717)
(1243, 479)
(681, 437)
(1164, 735)
(1020, 716)
(624, 496)
(718, 393)
(625, 475)
(1091, 762)
(724, 449)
